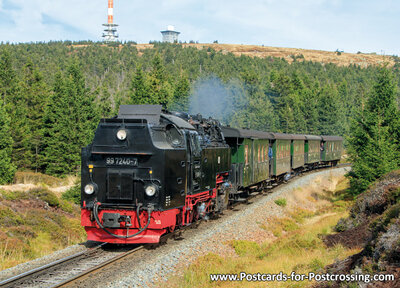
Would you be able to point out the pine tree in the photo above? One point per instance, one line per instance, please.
(7, 168)
(374, 144)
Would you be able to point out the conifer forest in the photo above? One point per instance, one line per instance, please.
(52, 96)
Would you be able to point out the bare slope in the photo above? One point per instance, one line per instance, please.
(340, 59)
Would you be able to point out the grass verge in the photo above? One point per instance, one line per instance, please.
(298, 247)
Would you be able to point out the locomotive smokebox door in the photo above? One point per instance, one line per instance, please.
(120, 184)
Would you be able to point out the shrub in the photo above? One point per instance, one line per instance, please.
(73, 194)
(316, 265)
(9, 218)
(14, 195)
(281, 202)
(66, 206)
(247, 248)
(381, 223)
(46, 196)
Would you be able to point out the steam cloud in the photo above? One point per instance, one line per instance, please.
(213, 98)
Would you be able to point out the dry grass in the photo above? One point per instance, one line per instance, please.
(42, 234)
(25, 181)
(298, 246)
(300, 250)
(34, 220)
(36, 179)
(344, 59)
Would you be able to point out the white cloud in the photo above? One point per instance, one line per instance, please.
(316, 24)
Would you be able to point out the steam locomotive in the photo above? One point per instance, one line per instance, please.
(149, 172)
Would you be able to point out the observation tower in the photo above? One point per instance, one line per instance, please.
(170, 35)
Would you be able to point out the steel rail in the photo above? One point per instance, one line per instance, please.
(96, 268)
(37, 270)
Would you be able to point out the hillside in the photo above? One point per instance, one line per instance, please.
(35, 220)
(289, 54)
(374, 224)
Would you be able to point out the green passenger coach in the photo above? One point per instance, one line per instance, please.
(281, 154)
(260, 158)
(249, 154)
(331, 149)
(298, 152)
(312, 150)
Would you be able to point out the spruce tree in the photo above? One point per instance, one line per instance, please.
(181, 94)
(15, 100)
(160, 90)
(139, 93)
(35, 94)
(7, 168)
(7, 76)
(104, 103)
(70, 119)
(374, 144)
(329, 114)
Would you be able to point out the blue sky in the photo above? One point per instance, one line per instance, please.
(351, 26)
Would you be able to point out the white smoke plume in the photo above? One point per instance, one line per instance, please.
(213, 98)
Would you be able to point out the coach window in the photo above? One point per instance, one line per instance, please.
(262, 153)
(265, 153)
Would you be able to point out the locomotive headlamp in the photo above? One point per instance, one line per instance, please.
(150, 190)
(121, 134)
(89, 189)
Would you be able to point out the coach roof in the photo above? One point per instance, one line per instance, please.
(313, 137)
(282, 136)
(332, 138)
(230, 132)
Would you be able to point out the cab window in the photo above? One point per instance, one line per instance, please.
(195, 144)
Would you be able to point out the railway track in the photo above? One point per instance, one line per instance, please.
(66, 271)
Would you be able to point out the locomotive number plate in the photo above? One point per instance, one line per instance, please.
(117, 161)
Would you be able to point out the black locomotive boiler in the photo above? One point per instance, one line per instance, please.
(149, 172)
